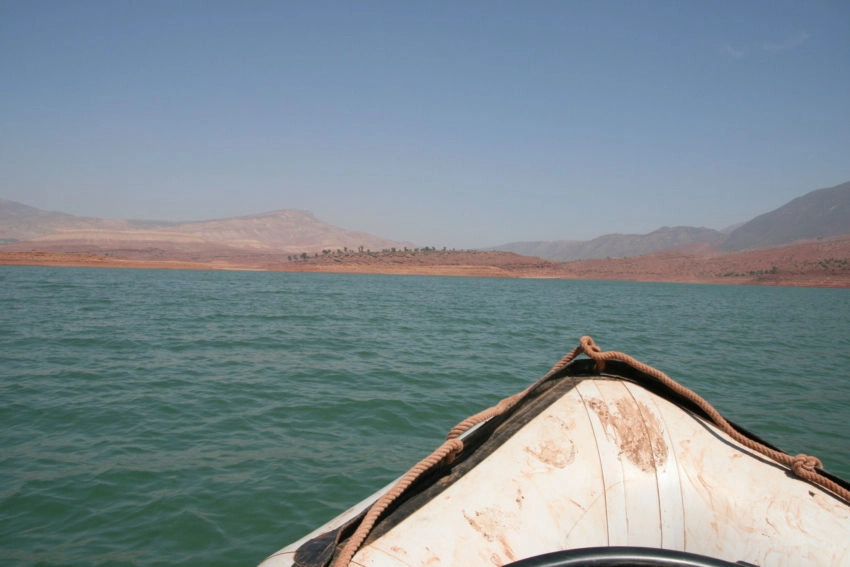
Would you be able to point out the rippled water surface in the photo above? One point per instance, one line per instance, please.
(175, 417)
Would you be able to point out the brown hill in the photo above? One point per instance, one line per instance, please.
(818, 214)
(823, 263)
(289, 231)
(822, 213)
(296, 241)
(616, 245)
(425, 261)
(22, 222)
(820, 262)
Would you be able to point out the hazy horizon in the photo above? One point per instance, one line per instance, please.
(423, 243)
(465, 125)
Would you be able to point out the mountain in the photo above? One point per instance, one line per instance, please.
(822, 213)
(287, 231)
(22, 222)
(616, 245)
(549, 249)
(818, 214)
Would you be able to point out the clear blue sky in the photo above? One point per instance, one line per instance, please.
(460, 124)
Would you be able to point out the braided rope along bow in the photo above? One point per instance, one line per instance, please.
(445, 453)
(803, 466)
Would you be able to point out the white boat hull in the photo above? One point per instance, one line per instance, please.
(609, 463)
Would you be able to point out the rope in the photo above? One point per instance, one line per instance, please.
(803, 466)
(445, 454)
(447, 450)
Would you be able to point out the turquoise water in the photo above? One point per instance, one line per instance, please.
(178, 418)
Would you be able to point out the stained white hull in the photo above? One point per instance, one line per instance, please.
(609, 463)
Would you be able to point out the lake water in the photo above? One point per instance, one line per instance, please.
(181, 418)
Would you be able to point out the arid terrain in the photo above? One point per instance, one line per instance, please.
(821, 263)
(803, 243)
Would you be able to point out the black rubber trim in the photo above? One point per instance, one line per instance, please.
(488, 438)
(622, 557)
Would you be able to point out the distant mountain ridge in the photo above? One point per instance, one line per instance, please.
(22, 222)
(287, 231)
(819, 214)
(615, 245)
(822, 213)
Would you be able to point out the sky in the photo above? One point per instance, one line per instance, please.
(460, 124)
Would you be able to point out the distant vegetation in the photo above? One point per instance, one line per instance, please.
(760, 251)
(393, 252)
